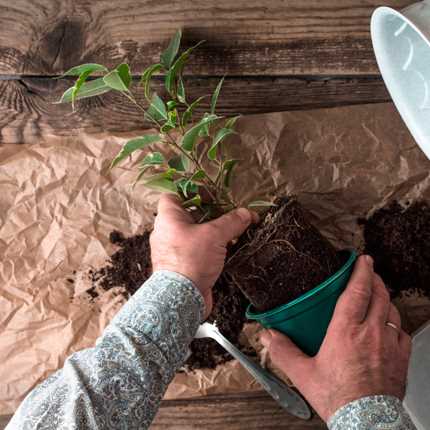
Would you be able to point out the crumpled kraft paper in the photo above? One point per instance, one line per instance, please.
(58, 204)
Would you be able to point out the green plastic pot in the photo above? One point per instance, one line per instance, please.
(305, 320)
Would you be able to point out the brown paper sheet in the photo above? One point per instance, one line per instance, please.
(58, 204)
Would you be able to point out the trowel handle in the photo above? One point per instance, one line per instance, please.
(289, 399)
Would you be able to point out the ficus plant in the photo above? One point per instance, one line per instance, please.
(203, 187)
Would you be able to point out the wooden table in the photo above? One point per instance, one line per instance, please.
(276, 55)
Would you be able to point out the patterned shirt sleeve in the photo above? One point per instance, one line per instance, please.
(373, 412)
(119, 383)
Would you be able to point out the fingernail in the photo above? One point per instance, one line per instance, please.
(369, 260)
(244, 214)
(266, 338)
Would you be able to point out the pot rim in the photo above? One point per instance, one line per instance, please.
(251, 314)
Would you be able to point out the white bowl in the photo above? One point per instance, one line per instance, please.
(401, 41)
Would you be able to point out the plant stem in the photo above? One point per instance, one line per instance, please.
(196, 162)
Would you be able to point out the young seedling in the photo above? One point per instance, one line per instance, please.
(205, 187)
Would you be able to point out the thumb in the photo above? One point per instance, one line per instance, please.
(231, 225)
(284, 354)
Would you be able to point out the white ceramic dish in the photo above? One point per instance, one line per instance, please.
(401, 41)
(418, 390)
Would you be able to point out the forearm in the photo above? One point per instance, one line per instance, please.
(120, 382)
(385, 412)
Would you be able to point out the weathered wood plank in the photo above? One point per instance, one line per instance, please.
(233, 412)
(244, 37)
(27, 112)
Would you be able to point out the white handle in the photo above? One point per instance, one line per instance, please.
(282, 393)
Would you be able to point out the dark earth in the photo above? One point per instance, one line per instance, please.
(282, 258)
(398, 238)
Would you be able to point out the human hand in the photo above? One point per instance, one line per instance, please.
(361, 355)
(196, 251)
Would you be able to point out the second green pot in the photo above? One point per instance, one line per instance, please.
(305, 320)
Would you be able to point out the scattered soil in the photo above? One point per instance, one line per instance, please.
(398, 238)
(282, 258)
(229, 313)
(275, 262)
(130, 267)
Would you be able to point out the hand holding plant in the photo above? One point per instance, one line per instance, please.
(181, 246)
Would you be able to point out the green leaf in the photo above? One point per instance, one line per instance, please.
(173, 117)
(147, 74)
(83, 68)
(260, 204)
(165, 128)
(177, 163)
(171, 104)
(124, 73)
(195, 201)
(161, 184)
(181, 91)
(177, 68)
(227, 170)
(157, 109)
(168, 56)
(114, 81)
(153, 159)
(187, 187)
(140, 175)
(78, 84)
(167, 174)
(182, 184)
(204, 131)
(215, 95)
(188, 114)
(118, 79)
(219, 137)
(133, 145)
(186, 161)
(198, 176)
(92, 88)
(190, 137)
(230, 123)
(169, 82)
(190, 185)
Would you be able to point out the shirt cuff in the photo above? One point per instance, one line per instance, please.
(166, 311)
(372, 412)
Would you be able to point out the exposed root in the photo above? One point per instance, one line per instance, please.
(281, 258)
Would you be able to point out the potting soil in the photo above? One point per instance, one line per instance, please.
(283, 257)
(398, 238)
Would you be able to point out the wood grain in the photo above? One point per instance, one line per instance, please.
(28, 115)
(244, 37)
(227, 412)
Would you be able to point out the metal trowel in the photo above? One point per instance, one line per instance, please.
(289, 399)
